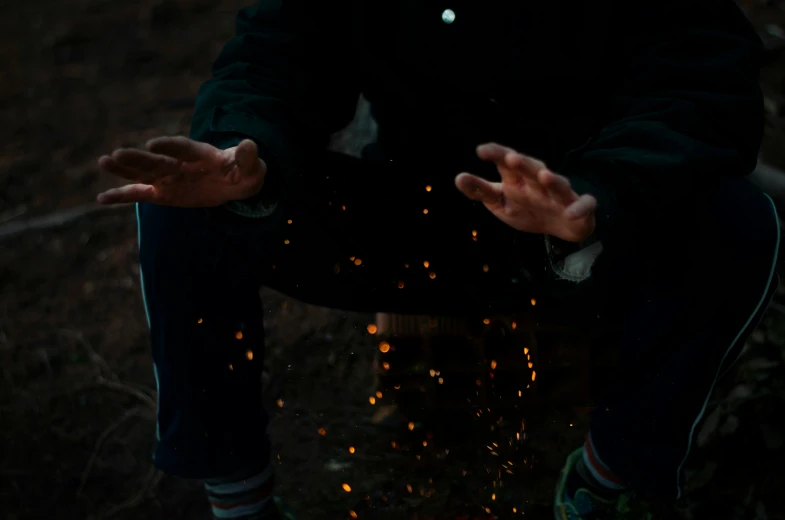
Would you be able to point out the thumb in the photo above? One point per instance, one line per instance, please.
(246, 156)
(477, 188)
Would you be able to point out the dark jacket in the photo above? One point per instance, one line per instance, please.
(637, 102)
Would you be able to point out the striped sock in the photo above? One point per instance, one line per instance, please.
(597, 474)
(243, 496)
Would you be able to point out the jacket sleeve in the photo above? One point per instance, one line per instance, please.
(688, 109)
(284, 80)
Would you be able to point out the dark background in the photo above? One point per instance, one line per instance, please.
(82, 77)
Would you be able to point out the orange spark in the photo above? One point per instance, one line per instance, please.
(428, 188)
(371, 328)
(534, 375)
(426, 264)
(474, 233)
(411, 426)
(289, 221)
(200, 320)
(514, 325)
(279, 402)
(249, 355)
(346, 487)
(378, 394)
(286, 241)
(384, 346)
(531, 364)
(400, 285)
(485, 268)
(534, 302)
(425, 211)
(238, 335)
(486, 321)
(351, 449)
(409, 488)
(354, 515)
(372, 400)
(432, 275)
(357, 261)
(386, 366)
(322, 432)
(493, 364)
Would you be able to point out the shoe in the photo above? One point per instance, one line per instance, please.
(285, 512)
(585, 504)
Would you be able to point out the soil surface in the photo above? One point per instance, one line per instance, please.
(77, 393)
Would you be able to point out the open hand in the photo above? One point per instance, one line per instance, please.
(181, 172)
(530, 197)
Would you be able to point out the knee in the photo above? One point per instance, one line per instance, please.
(743, 222)
(170, 234)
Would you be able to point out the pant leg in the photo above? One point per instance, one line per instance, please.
(354, 238)
(687, 307)
(201, 293)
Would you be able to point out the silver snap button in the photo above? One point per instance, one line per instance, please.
(448, 16)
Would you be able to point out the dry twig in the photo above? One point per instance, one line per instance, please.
(101, 439)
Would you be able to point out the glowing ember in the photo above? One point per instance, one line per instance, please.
(514, 510)
(231, 367)
(474, 233)
(378, 394)
(424, 443)
(286, 241)
(249, 355)
(441, 381)
(427, 188)
(534, 375)
(485, 268)
(514, 325)
(346, 487)
(411, 426)
(238, 335)
(386, 366)
(425, 211)
(354, 515)
(394, 444)
(397, 387)
(519, 393)
(486, 321)
(531, 364)
(400, 285)
(279, 402)
(372, 400)
(426, 263)
(525, 350)
(343, 207)
(322, 432)
(432, 372)
(351, 449)
(493, 364)
(493, 497)
(357, 261)
(200, 320)
(289, 221)
(409, 488)
(534, 302)
(432, 275)
(384, 347)
(371, 329)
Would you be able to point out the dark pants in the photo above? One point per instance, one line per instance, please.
(685, 292)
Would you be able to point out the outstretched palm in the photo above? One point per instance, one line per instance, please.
(180, 172)
(530, 197)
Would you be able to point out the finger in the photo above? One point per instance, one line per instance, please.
(499, 154)
(154, 165)
(584, 206)
(130, 193)
(180, 147)
(476, 188)
(558, 187)
(109, 165)
(528, 168)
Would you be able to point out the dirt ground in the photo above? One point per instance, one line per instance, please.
(77, 393)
